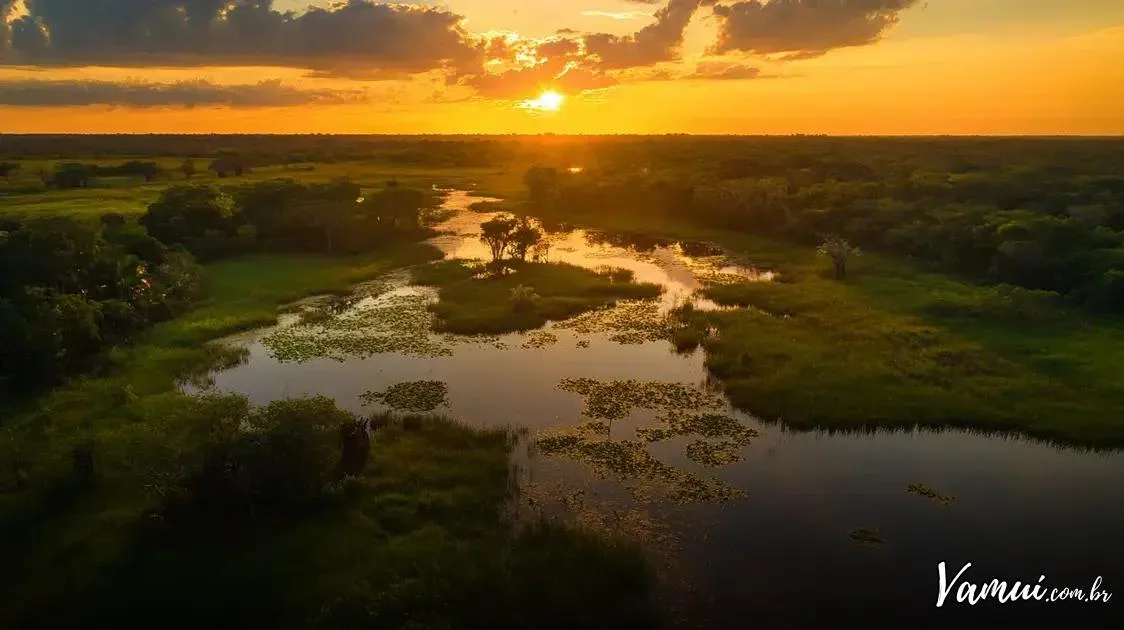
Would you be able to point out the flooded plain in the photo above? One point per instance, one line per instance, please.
(767, 527)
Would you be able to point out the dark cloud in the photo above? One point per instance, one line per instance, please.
(61, 93)
(652, 44)
(356, 34)
(800, 29)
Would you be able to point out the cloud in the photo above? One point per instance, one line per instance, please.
(617, 15)
(725, 71)
(61, 93)
(800, 29)
(354, 34)
(650, 45)
(557, 73)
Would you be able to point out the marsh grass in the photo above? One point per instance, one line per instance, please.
(473, 304)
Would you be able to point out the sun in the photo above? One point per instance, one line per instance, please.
(548, 101)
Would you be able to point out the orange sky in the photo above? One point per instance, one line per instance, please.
(941, 67)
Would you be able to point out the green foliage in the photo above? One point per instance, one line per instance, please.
(198, 216)
(253, 462)
(523, 298)
(70, 290)
(840, 251)
(483, 305)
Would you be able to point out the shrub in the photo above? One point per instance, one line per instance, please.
(523, 298)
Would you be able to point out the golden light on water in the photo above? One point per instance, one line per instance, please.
(548, 101)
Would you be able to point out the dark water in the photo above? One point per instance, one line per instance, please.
(781, 556)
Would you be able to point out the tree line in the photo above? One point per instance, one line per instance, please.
(287, 216)
(71, 289)
(1043, 228)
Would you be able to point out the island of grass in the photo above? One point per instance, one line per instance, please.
(527, 297)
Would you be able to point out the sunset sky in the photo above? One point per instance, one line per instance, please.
(620, 66)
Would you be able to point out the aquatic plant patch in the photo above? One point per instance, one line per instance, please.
(415, 396)
(540, 339)
(923, 490)
(867, 536)
(628, 322)
(616, 399)
(630, 463)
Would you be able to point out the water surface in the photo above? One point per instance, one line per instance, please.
(781, 556)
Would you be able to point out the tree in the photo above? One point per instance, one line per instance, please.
(330, 208)
(498, 234)
(542, 182)
(188, 168)
(840, 252)
(523, 239)
(73, 175)
(183, 213)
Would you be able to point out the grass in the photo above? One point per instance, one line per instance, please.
(482, 305)
(883, 348)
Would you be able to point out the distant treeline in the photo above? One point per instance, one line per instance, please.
(884, 154)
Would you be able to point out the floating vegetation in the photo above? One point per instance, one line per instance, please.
(611, 400)
(584, 343)
(923, 490)
(719, 442)
(718, 439)
(393, 324)
(540, 339)
(713, 454)
(629, 462)
(629, 322)
(415, 396)
(864, 536)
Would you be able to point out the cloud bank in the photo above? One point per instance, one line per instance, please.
(50, 93)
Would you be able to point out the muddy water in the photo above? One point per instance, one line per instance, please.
(776, 551)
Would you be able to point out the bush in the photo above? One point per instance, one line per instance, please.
(523, 298)
(269, 460)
